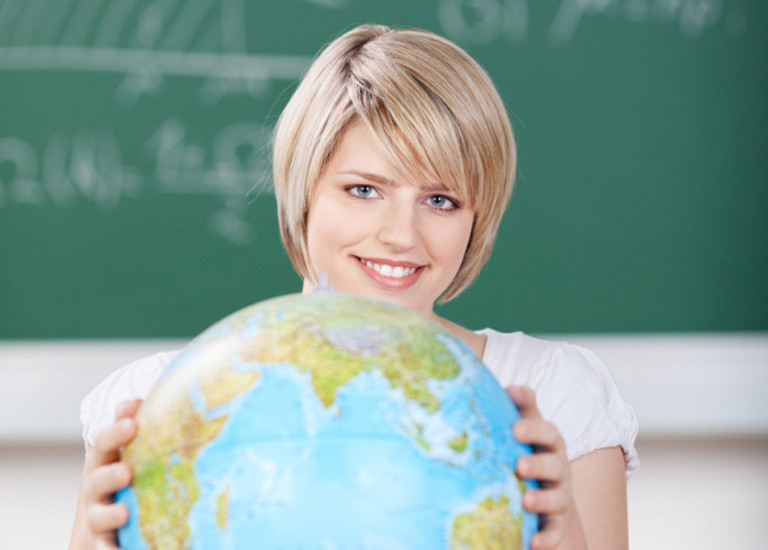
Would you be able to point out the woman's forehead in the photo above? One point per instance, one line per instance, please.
(385, 180)
(398, 159)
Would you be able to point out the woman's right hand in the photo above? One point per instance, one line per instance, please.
(98, 517)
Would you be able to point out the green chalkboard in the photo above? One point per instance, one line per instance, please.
(135, 196)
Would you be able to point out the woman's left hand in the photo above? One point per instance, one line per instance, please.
(560, 526)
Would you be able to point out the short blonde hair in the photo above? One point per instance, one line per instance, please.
(434, 112)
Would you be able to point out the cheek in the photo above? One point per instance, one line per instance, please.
(450, 241)
(318, 230)
(325, 228)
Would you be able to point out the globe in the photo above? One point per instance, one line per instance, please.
(326, 421)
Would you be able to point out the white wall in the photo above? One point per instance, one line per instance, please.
(700, 494)
(38, 494)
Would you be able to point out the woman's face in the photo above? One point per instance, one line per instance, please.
(376, 233)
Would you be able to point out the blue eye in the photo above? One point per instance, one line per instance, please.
(363, 191)
(441, 202)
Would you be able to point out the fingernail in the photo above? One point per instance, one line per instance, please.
(520, 430)
(523, 466)
(126, 426)
(529, 500)
(122, 475)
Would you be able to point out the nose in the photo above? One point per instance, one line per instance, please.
(398, 227)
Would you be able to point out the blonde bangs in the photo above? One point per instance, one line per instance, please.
(414, 128)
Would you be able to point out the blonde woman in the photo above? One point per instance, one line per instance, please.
(393, 164)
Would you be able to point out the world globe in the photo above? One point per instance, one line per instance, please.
(326, 421)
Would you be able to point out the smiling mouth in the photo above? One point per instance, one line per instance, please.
(386, 270)
(389, 275)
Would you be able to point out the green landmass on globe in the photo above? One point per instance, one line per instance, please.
(325, 421)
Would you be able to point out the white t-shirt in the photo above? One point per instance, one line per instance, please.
(574, 390)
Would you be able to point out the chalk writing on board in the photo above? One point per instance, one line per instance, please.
(330, 3)
(145, 41)
(89, 166)
(144, 49)
(693, 17)
(485, 21)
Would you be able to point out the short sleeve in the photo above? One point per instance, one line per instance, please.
(576, 392)
(133, 381)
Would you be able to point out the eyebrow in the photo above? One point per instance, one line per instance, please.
(382, 180)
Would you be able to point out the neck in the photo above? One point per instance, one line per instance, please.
(475, 342)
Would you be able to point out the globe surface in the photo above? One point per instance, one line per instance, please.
(326, 421)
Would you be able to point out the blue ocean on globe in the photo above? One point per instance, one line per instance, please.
(326, 421)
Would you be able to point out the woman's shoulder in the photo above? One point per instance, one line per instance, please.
(518, 358)
(574, 389)
(132, 381)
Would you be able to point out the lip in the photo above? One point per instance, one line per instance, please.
(390, 283)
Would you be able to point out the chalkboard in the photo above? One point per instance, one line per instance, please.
(136, 201)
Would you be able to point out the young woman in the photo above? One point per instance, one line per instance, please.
(393, 164)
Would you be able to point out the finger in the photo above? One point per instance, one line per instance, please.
(106, 545)
(525, 400)
(126, 409)
(104, 519)
(551, 536)
(549, 502)
(545, 467)
(537, 431)
(106, 446)
(107, 480)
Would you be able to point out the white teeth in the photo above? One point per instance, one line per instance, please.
(388, 271)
